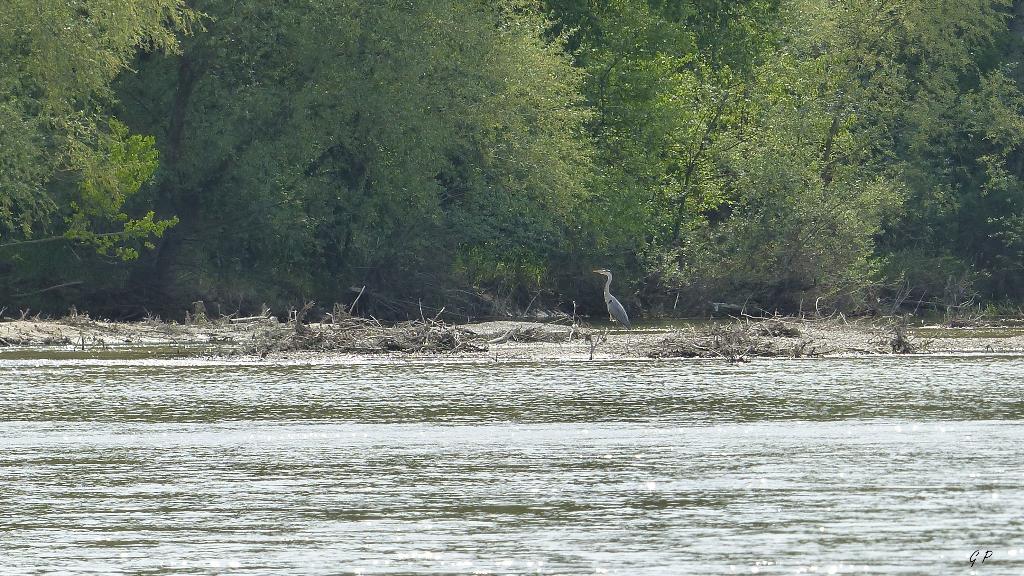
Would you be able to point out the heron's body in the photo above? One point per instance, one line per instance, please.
(615, 309)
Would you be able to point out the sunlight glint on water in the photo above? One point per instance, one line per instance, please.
(880, 465)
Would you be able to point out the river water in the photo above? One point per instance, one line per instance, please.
(836, 466)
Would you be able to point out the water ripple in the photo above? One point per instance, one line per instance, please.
(866, 465)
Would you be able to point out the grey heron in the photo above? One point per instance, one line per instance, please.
(615, 309)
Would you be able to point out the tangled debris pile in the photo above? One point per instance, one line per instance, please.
(563, 338)
(344, 333)
(78, 330)
(737, 341)
(11, 341)
(352, 334)
(897, 338)
(775, 328)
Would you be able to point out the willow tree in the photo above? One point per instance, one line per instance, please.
(877, 121)
(311, 147)
(961, 139)
(668, 83)
(67, 167)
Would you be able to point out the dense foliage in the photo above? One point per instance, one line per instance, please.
(485, 156)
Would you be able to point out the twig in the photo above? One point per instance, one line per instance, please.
(595, 342)
(527, 311)
(352, 308)
(438, 315)
(300, 315)
(58, 239)
(64, 285)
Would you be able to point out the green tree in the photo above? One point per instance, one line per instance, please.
(668, 82)
(409, 147)
(960, 143)
(66, 167)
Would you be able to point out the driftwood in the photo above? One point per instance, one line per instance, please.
(737, 341)
(533, 334)
(300, 319)
(248, 319)
(350, 334)
(352, 307)
(898, 339)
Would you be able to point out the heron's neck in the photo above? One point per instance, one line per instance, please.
(607, 284)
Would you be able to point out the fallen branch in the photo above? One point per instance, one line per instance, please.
(57, 287)
(248, 319)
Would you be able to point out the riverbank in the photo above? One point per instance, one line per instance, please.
(730, 339)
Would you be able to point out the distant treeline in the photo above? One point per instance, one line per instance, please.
(485, 156)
